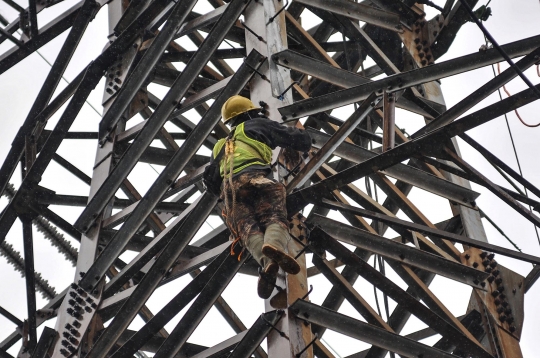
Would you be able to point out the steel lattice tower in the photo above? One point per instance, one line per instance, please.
(346, 92)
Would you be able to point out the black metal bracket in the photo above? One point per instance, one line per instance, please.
(299, 354)
(308, 292)
(280, 97)
(259, 37)
(281, 333)
(256, 71)
(277, 13)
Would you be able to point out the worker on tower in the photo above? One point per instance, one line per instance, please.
(240, 173)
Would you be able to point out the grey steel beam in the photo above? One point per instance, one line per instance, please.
(405, 173)
(202, 304)
(433, 232)
(46, 34)
(47, 337)
(30, 280)
(159, 117)
(481, 93)
(401, 252)
(151, 250)
(222, 348)
(152, 278)
(172, 308)
(488, 184)
(201, 21)
(256, 334)
(147, 63)
(408, 149)
(329, 147)
(11, 317)
(171, 172)
(407, 79)
(364, 331)
(361, 12)
(493, 159)
(47, 90)
(333, 75)
(396, 293)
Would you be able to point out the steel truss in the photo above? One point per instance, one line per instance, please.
(289, 70)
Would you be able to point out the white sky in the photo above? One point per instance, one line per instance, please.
(511, 21)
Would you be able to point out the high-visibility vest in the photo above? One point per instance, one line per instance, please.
(247, 151)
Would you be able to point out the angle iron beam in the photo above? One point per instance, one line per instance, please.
(159, 117)
(477, 96)
(171, 172)
(47, 33)
(406, 150)
(151, 250)
(397, 294)
(405, 173)
(11, 317)
(488, 184)
(339, 77)
(30, 280)
(364, 331)
(202, 304)
(172, 308)
(47, 337)
(401, 252)
(434, 232)
(222, 348)
(152, 278)
(493, 159)
(147, 63)
(361, 12)
(201, 21)
(408, 79)
(333, 142)
(256, 334)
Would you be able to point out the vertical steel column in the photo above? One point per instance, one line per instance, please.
(30, 279)
(89, 241)
(267, 21)
(389, 121)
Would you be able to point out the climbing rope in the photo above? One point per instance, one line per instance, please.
(509, 95)
(228, 181)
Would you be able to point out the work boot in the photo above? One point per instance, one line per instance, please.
(267, 278)
(275, 248)
(269, 268)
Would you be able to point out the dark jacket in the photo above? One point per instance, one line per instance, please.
(266, 131)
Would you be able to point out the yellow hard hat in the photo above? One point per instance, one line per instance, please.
(234, 106)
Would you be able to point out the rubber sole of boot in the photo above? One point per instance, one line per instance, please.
(265, 286)
(285, 261)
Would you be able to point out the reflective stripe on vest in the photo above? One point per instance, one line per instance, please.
(247, 152)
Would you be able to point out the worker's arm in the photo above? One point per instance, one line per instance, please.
(211, 177)
(277, 135)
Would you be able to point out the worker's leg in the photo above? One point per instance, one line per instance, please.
(243, 225)
(271, 214)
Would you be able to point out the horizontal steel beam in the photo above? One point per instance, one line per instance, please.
(405, 173)
(363, 331)
(401, 297)
(428, 142)
(426, 230)
(408, 79)
(400, 252)
(361, 12)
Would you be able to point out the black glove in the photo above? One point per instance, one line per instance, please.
(212, 179)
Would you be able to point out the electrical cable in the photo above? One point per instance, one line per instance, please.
(515, 110)
(510, 131)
